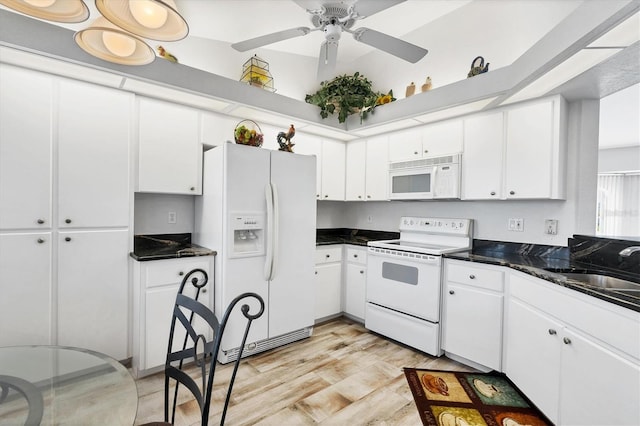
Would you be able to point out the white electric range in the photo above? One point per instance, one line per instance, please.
(403, 279)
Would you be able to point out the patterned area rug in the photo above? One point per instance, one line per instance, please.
(451, 398)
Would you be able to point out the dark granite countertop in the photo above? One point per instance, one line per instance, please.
(166, 246)
(549, 263)
(358, 237)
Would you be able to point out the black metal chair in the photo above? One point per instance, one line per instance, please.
(196, 349)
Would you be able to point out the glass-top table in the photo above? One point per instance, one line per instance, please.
(64, 385)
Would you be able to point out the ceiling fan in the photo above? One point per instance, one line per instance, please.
(333, 18)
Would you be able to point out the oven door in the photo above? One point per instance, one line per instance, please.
(405, 282)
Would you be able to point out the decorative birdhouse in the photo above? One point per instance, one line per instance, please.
(256, 73)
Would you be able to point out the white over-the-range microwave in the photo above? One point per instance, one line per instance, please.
(425, 178)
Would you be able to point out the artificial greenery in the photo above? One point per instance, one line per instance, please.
(348, 94)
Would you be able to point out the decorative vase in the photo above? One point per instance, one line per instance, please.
(411, 89)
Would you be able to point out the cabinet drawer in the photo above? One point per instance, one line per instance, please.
(164, 272)
(355, 255)
(477, 276)
(328, 254)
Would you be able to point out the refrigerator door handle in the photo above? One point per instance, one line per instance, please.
(275, 231)
(268, 264)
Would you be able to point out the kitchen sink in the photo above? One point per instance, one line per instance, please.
(604, 282)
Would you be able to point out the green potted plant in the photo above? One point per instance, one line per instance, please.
(346, 95)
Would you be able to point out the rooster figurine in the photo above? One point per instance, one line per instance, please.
(166, 55)
(284, 139)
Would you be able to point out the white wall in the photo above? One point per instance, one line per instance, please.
(151, 213)
(626, 159)
(576, 214)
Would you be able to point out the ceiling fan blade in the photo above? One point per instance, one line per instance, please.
(400, 48)
(327, 60)
(253, 43)
(366, 8)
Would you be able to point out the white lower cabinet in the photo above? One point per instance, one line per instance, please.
(25, 283)
(156, 285)
(473, 306)
(328, 285)
(576, 357)
(93, 291)
(355, 282)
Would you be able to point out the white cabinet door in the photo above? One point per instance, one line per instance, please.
(93, 289)
(473, 315)
(405, 145)
(377, 169)
(529, 144)
(533, 350)
(609, 394)
(93, 155)
(328, 290)
(170, 153)
(25, 285)
(333, 167)
(355, 170)
(442, 138)
(312, 145)
(26, 117)
(356, 278)
(482, 170)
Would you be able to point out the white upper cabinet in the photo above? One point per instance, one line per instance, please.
(377, 169)
(93, 155)
(355, 170)
(405, 145)
(312, 145)
(517, 152)
(170, 152)
(25, 150)
(535, 150)
(483, 156)
(442, 138)
(333, 168)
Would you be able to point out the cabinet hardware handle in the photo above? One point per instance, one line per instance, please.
(317, 195)
(451, 292)
(426, 150)
(493, 192)
(40, 221)
(327, 256)
(193, 188)
(473, 277)
(512, 192)
(326, 196)
(566, 341)
(415, 152)
(316, 272)
(67, 239)
(67, 221)
(359, 196)
(204, 290)
(552, 332)
(362, 272)
(40, 240)
(368, 196)
(355, 255)
(181, 273)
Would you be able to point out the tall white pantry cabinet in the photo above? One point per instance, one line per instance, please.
(64, 212)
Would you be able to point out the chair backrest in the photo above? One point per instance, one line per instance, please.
(191, 325)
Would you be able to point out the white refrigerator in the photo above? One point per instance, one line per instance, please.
(258, 211)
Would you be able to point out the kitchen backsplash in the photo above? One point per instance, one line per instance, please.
(152, 213)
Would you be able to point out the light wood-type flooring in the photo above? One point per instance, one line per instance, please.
(342, 375)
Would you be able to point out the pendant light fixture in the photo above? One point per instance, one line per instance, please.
(104, 40)
(68, 11)
(154, 19)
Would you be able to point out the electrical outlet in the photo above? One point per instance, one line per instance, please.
(173, 217)
(515, 224)
(551, 227)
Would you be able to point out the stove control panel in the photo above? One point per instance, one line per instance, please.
(436, 225)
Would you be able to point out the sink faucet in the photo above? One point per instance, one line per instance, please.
(629, 251)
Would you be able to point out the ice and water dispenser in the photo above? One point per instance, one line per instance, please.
(248, 235)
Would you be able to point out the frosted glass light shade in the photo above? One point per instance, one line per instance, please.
(153, 19)
(68, 11)
(104, 40)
